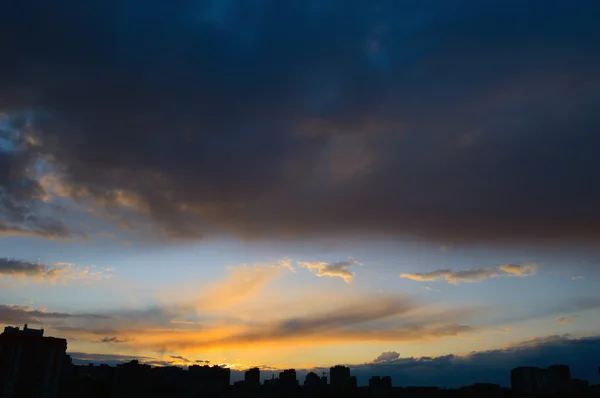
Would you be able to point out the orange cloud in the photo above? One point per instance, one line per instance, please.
(339, 269)
(242, 282)
(380, 318)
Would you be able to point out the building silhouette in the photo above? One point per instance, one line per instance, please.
(30, 364)
(287, 379)
(532, 380)
(209, 379)
(312, 380)
(252, 377)
(339, 377)
(380, 383)
(132, 379)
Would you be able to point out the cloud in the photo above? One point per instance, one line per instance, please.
(576, 278)
(491, 366)
(387, 357)
(563, 320)
(180, 358)
(336, 138)
(113, 340)
(83, 358)
(380, 318)
(474, 275)
(18, 314)
(20, 192)
(62, 273)
(241, 282)
(339, 269)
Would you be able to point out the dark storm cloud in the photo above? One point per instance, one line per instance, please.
(460, 120)
(489, 366)
(20, 193)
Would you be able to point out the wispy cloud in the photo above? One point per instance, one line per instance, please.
(19, 314)
(474, 275)
(339, 269)
(563, 320)
(112, 340)
(180, 358)
(380, 318)
(575, 278)
(241, 282)
(61, 273)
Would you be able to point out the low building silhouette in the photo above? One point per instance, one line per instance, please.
(380, 383)
(30, 364)
(531, 380)
(208, 379)
(312, 380)
(133, 379)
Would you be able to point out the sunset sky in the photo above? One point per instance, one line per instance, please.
(304, 183)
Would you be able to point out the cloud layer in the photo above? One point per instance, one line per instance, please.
(489, 366)
(473, 275)
(62, 273)
(461, 120)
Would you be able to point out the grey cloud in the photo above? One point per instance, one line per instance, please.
(18, 314)
(20, 192)
(387, 357)
(387, 318)
(158, 363)
(473, 275)
(453, 121)
(563, 320)
(351, 314)
(58, 272)
(78, 330)
(14, 267)
(490, 366)
(183, 359)
(113, 340)
(83, 358)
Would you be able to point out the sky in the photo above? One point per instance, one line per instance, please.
(406, 187)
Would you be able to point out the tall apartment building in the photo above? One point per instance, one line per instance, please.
(30, 364)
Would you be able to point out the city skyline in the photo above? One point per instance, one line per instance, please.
(27, 355)
(304, 184)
